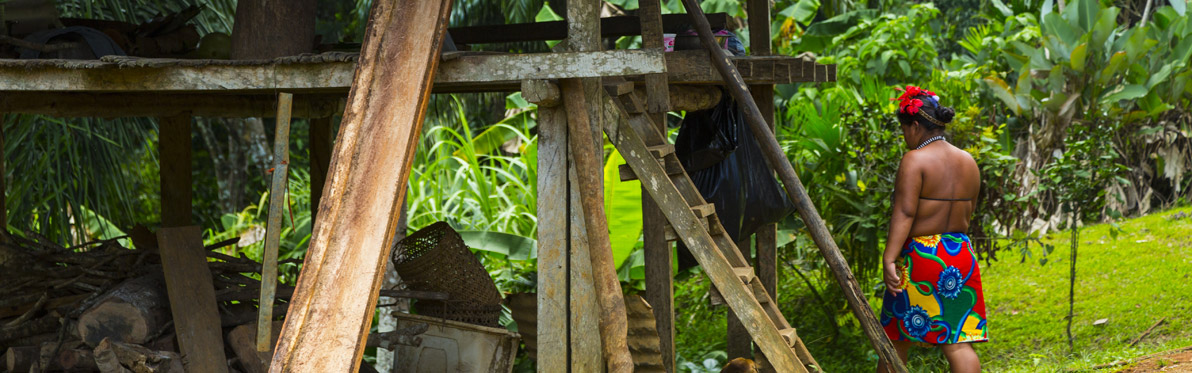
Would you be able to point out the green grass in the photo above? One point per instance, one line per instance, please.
(1143, 275)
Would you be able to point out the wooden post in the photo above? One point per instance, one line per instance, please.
(321, 138)
(553, 228)
(277, 204)
(329, 317)
(760, 44)
(192, 298)
(660, 277)
(794, 189)
(3, 188)
(173, 151)
(583, 35)
(765, 240)
(589, 163)
(265, 29)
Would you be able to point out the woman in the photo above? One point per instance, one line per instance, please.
(933, 284)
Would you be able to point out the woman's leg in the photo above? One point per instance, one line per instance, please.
(902, 347)
(962, 357)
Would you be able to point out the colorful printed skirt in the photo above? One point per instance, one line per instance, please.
(941, 300)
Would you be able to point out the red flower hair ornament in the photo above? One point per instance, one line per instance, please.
(908, 103)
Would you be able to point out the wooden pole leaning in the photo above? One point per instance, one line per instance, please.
(277, 203)
(614, 327)
(329, 316)
(794, 189)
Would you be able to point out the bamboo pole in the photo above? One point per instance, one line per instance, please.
(794, 188)
(613, 324)
(277, 203)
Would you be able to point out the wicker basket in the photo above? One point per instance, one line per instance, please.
(436, 259)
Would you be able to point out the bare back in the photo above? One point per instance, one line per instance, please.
(943, 181)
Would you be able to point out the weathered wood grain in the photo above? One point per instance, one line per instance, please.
(192, 298)
(331, 312)
(173, 151)
(583, 35)
(794, 188)
(277, 204)
(553, 229)
(709, 250)
(463, 74)
(610, 27)
(588, 159)
(140, 104)
(657, 97)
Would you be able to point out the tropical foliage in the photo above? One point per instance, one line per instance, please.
(1077, 112)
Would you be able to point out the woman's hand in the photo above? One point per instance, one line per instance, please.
(892, 278)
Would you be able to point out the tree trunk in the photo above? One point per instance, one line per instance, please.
(130, 313)
(267, 29)
(19, 359)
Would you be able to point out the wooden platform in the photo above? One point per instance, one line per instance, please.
(129, 86)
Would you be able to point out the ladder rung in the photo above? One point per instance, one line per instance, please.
(789, 335)
(745, 274)
(714, 297)
(618, 88)
(671, 235)
(660, 151)
(759, 292)
(704, 210)
(672, 168)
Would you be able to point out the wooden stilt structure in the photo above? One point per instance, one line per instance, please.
(357, 187)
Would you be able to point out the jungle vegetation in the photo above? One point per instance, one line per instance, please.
(1078, 113)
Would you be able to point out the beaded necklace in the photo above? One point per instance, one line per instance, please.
(931, 140)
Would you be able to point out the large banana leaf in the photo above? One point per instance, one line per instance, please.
(623, 207)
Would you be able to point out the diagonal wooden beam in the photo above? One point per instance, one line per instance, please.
(794, 189)
(328, 320)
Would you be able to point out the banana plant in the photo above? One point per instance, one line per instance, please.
(1085, 64)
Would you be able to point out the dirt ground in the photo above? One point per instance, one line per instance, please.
(1179, 360)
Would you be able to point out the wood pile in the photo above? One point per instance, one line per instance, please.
(101, 307)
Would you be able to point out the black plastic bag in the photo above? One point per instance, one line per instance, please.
(726, 163)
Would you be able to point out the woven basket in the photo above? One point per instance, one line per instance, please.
(436, 259)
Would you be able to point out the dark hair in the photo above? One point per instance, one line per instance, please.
(930, 107)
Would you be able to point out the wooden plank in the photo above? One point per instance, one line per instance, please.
(657, 97)
(321, 137)
(559, 65)
(583, 35)
(718, 268)
(3, 186)
(553, 231)
(588, 158)
(136, 104)
(277, 203)
(174, 153)
(330, 314)
(463, 74)
(192, 298)
(659, 278)
(794, 188)
(672, 167)
(760, 44)
(584, 347)
(610, 27)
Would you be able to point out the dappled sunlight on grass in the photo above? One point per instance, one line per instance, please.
(1133, 281)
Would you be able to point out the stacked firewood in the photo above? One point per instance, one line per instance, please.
(103, 307)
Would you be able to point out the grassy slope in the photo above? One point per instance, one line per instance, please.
(1142, 276)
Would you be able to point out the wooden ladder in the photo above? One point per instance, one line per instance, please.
(651, 159)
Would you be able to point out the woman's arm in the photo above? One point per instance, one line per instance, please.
(907, 185)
